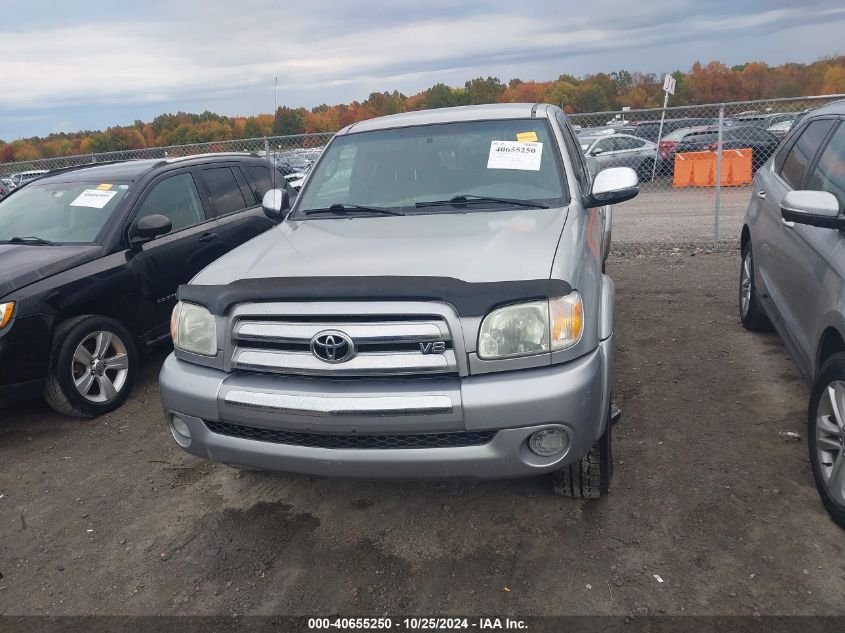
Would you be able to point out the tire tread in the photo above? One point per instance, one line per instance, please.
(589, 477)
(53, 393)
(755, 320)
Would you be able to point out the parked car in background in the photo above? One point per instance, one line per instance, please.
(781, 129)
(7, 182)
(434, 305)
(762, 143)
(649, 130)
(23, 177)
(295, 165)
(92, 257)
(4, 189)
(621, 150)
(793, 277)
(666, 148)
(763, 120)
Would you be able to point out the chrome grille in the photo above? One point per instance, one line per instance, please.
(385, 345)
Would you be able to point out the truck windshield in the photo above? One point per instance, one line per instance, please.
(59, 212)
(404, 169)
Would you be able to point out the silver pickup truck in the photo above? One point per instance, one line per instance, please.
(433, 305)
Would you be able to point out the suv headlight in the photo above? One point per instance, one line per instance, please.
(193, 329)
(531, 328)
(6, 310)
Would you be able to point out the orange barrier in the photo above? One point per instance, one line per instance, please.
(736, 167)
(698, 169)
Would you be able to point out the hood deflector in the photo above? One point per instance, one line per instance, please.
(468, 298)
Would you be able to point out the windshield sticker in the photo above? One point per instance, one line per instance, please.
(93, 198)
(527, 137)
(104, 187)
(515, 155)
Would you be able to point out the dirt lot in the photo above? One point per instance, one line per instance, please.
(664, 214)
(110, 516)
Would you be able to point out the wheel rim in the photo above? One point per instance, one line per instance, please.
(745, 285)
(100, 366)
(830, 440)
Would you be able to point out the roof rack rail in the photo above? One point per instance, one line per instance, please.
(176, 159)
(69, 168)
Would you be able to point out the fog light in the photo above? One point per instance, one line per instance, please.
(180, 427)
(548, 442)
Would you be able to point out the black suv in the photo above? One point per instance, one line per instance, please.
(90, 260)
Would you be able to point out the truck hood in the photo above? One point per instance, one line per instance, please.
(23, 264)
(474, 247)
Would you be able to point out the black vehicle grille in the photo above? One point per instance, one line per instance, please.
(323, 440)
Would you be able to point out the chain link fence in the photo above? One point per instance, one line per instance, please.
(284, 149)
(694, 162)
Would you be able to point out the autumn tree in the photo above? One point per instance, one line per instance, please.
(753, 80)
(383, 103)
(711, 82)
(524, 92)
(442, 96)
(288, 121)
(481, 90)
(561, 92)
(834, 80)
(251, 128)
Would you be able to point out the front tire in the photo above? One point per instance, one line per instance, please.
(750, 311)
(92, 367)
(589, 477)
(826, 436)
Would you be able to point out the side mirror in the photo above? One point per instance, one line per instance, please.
(612, 186)
(276, 204)
(597, 151)
(814, 208)
(148, 228)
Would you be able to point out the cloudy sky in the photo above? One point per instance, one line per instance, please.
(88, 64)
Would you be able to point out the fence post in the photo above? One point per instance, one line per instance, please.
(266, 148)
(718, 177)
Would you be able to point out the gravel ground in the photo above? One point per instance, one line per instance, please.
(710, 511)
(663, 214)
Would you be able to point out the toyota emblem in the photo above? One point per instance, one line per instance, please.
(331, 346)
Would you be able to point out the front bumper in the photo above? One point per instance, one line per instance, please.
(509, 406)
(24, 356)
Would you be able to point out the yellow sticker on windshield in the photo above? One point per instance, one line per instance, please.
(527, 137)
(104, 187)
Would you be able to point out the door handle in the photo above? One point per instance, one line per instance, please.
(208, 237)
(761, 194)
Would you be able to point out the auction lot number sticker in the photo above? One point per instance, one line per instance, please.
(515, 155)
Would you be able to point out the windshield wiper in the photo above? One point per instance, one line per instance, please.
(350, 209)
(29, 239)
(467, 198)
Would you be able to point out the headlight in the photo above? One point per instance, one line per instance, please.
(6, 310)
(525, 329)
(193, 329)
